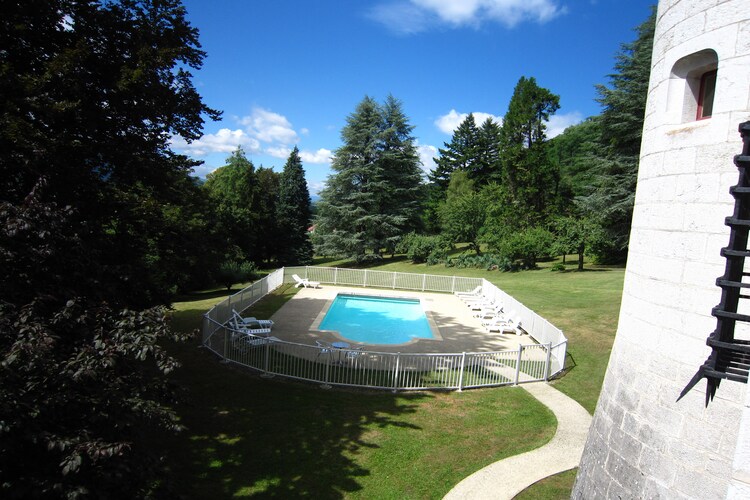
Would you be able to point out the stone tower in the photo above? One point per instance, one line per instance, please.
(642, 443)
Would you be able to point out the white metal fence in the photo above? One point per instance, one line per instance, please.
(382, 370)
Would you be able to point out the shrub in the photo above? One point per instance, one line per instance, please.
(488, 261)
(527, 245)
(233, 271)
(557, 267)
(420, 248)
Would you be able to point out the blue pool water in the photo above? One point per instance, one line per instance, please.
(377, 320)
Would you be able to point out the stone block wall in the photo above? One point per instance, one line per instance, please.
(643, 444)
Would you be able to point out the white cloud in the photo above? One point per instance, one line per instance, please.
(203, 170)
(320, 156)
(223, 141)
(278, 152)
(267, 126)
(401, 17)
(558, 123)
(427, 153)
(263, 132)
(414, 16)
(450, 121)
(315, 187)
(452, 11)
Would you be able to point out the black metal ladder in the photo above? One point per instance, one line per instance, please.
(730, 357)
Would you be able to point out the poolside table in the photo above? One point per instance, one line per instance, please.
(340, 345)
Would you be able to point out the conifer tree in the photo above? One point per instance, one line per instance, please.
(528, 174)
(487, 167)
(459, 154)
(293, 214)
(91, 237)
(373, 196)
(621, 121)
(400, 204)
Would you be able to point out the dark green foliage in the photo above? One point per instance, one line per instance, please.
(245, 201)
(374, 196)
(527, 245)
(264, 209)
(91, 108)
(529, 176)
(231, 272)
(464, 213)
(293, 215)
(420, 248)
(401, 201)
(488, 261)
(488, 166)
(77, 403)
(459, 154)
(599, 157)
(624, 101)
(98, 220)
(576, 234)
(580, 155)
(473, 150)
(624, 105)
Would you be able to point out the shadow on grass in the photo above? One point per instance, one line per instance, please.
(242, 439)
(570, 365)
(209, 294)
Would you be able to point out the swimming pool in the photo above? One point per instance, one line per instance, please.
(377, 320)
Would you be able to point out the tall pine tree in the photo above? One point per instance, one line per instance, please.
(487, 167)
(401, 201)
(459, 154)
(528, 174)
(293, 214)
(372, 199)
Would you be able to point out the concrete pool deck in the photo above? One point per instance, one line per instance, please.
(459, 330)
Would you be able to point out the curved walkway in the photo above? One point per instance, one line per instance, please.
(507, 478)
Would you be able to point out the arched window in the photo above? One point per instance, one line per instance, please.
(692, 86)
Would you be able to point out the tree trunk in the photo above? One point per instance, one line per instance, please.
(580, 257)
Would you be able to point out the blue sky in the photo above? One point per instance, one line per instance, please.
(289, 72)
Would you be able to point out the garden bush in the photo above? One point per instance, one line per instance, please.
(234, 271)
(421, 248)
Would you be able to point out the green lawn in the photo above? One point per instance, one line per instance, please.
(585, 305)
(555, 487)
(249, 436)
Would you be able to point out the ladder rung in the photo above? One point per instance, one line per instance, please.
(735, 345)
(732, 284)
(728, 252)
(730, 315)
(712, 373)
(733, 221)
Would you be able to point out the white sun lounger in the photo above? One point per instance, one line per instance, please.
(263, 323)
(305, 282)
